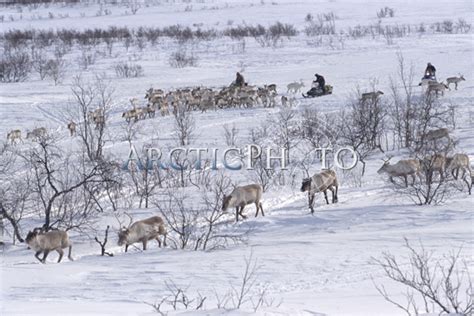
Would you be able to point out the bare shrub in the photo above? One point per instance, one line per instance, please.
(103, 243)
(182, 58)
(230, 134)
(243, 294)
(385, 12)
(184, 125)
(274, 35)
(16, 191)
(440, 286)
(56, 69)
(177, 298)
(61, 185)
(128, 70)
(39, 63)
(324, 24)
(88, 97)
(87, 57)
(362, 126)
(15, 65)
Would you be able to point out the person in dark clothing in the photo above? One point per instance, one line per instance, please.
(321, 82)
(430, 71)
(239, 80)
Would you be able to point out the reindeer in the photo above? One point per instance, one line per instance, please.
(150, 110)
(458, 162)
(93, 115)
(272, 88)
(143, 231)
(403, 168)
(284, 101)
(242, 196)
(295, 87)
(99, 121)
(321, 182)
(45, 242)
(36, 133)
(129, 115)
(436, 87)
(14, 135)
(435, 134)
(454, 80)
(134, 102)
(153, 94)
(370, 96)
(432, 164)
(71, 126)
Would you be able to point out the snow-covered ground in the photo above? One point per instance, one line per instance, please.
(310, 265)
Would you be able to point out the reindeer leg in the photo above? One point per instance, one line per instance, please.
(237, 214)
(256, 205)
(126, 248)
(261, 209)
(159, 241)
(37, 255)
(164, 239)
(144, 241)
(326, 196)
(310, 202)
(406, 180)
(61, 253)
(241, 210)
(69, 254)
(46, 252)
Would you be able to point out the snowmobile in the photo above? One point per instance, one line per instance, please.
(317, 92)
(427, 79)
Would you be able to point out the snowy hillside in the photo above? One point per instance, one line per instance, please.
(61, 61)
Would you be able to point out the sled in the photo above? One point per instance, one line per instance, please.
(316, 92)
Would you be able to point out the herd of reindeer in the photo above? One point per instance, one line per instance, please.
(203, 99)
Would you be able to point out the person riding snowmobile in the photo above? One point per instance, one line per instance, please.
(239, 80)
(321, 83)
(430, 72)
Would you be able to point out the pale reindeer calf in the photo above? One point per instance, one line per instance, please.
(46, 242)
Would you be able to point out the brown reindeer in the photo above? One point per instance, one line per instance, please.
(321, 182)
(242, 196)
(71, 126)
(143, 231)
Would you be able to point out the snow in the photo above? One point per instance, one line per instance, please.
(313, 265)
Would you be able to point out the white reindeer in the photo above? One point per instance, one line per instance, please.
(46, 242)
(402, 168)
(459, 162)
(295, 87)
(14, 135)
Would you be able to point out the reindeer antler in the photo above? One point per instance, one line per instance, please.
(130, 217)
(388, 158)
